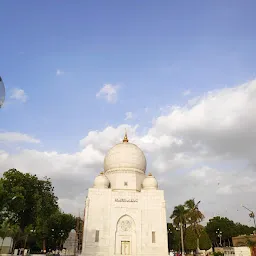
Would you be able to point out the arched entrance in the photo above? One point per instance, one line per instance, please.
(125, 236)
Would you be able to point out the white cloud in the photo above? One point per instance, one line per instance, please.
(108, 92)
(186, 92)
(128, 115)
(66, 170)
(16, 137)
(59, 72)
(217, 125)
(103, 140)
(204, 150)
(19, 94)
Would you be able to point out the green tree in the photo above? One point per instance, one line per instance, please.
(229, 229)
(28, 202)
(205, 241)
(179, 217)
(191, 239)
(46, 207)
(226, 226)
(188, 214)
(16, 235)
(27, 198)
(241, 229)
(4, 232)
(60, 224)
(8, 230)
(193, 217)
(173, 237)
(29, 207)
(24, 188)
(2, 201)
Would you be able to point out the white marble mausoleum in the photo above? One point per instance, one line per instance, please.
(125, 211)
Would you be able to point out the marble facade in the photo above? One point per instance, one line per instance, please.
(125, 212)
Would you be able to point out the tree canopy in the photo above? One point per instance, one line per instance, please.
(29, 207)
(189, 215)
(228, 228)
(191, 237)
(61, 224)
(27, 198)
(179, 215)
(173, 237)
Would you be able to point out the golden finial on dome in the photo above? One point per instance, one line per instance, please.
(101, 173)
(125, 137)
(150, 174)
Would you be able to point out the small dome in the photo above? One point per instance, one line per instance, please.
(125, 155)
(101, 181)
(150, 182)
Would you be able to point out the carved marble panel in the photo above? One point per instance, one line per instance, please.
(125, 225)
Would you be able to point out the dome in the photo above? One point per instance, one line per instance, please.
(101, 181)
(150, 182)
(125, 155)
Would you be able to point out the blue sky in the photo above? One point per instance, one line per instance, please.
(155, 50)
(57, 55)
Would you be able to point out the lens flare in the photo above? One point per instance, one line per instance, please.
(2, 92)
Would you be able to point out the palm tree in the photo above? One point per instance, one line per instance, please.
(16, 235)
(179, 215)
(4, 232)
(193, 217)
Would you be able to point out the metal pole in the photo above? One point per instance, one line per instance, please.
(252, 215)
(219, 234)
(169, 239)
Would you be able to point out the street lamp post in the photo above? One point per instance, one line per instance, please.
(53, 240)
(83, 233)
(169, 232)
(219, 234)
(58, 246)
(61, 240)
(251, 215)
